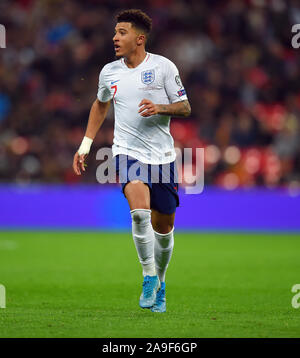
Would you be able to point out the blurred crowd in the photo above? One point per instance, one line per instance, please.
(235, 58)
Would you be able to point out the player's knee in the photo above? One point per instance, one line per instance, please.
(163, 225)
(163, 229)
(140, 216)
(137, 194)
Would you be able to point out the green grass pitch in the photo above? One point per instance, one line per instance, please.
(87, 284)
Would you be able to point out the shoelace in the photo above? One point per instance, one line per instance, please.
(147, 289)
(160, 296)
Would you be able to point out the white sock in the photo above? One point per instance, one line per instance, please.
(163, 248)
(143, 237)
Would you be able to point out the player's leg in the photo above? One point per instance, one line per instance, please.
(138, 196)
(163, 225)
(164, 201)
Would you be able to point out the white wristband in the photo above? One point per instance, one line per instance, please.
(85, 146)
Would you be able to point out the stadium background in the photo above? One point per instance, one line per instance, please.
(241, 75)
(240, 72)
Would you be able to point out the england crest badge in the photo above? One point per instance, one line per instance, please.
(148, 77)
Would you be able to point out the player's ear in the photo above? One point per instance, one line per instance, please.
(141, 39)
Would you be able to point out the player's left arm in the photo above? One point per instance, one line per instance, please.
(181, 108)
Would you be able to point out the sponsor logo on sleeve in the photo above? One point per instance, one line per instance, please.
(181, 92)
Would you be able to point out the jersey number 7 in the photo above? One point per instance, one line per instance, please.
(115, 88)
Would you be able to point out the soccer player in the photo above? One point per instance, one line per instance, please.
(146, 90)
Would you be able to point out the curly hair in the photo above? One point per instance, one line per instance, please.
(137, 18)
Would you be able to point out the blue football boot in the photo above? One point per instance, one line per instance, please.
(150, 287)
(160, 303)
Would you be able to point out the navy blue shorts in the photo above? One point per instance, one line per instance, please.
(162, 180)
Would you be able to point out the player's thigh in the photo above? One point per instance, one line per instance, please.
(162, 223)
(137, 194)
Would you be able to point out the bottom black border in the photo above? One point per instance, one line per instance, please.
(137, 346)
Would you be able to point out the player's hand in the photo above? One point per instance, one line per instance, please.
(78, 163)
(148, 108)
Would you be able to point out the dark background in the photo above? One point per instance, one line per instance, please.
(235, 58)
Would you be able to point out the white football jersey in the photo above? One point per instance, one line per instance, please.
(147, 139)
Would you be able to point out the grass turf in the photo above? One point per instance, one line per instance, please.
(87, 284)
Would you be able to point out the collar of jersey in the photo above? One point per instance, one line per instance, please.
(138, 66)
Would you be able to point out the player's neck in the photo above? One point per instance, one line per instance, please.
(135, 59)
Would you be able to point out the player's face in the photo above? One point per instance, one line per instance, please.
(125, 40)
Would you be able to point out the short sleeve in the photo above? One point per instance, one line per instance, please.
(173, 84)
(104, 94)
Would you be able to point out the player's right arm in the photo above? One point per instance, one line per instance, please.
(96, 118)
(97, 115)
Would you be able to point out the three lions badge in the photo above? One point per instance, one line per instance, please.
(148, 77)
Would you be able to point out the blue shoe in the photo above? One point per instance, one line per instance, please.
(150, 287)
(160, 303)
